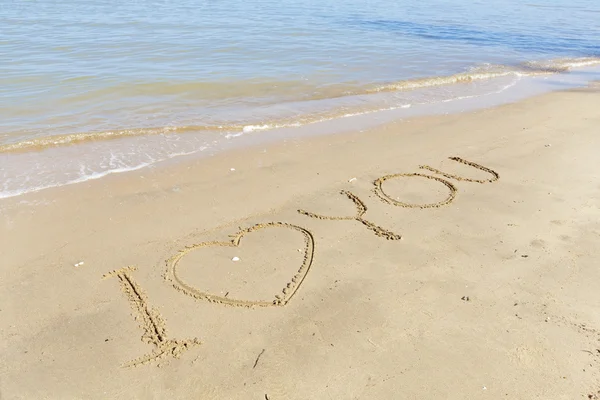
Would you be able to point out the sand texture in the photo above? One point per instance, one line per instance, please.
(447, 257)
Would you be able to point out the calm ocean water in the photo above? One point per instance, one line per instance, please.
(89, 88)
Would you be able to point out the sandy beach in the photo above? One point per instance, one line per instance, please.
(201, 280)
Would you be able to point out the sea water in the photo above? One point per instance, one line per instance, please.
(89, 88)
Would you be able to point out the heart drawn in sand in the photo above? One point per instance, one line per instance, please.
(279, 299)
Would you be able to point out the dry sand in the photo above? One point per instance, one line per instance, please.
(494, 295)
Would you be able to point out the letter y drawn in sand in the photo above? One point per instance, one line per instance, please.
(361, 209)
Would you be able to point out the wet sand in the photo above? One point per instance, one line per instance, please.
(388, 285)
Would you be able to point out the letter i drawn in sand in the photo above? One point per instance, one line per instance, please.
(155, 331)
(361, 209)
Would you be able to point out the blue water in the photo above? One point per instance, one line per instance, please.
(74, 73)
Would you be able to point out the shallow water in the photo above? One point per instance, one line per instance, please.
(78, 74)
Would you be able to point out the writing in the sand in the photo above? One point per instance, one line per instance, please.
(154, 326)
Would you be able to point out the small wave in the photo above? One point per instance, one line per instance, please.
(480, 73)
(438, 81)
(489, 71)
(562, 64)
(77, 138)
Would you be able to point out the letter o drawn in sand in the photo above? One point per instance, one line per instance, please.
(384, 197)
(278, 300)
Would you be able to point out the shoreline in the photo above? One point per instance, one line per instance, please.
(492, 294)
(88, 160)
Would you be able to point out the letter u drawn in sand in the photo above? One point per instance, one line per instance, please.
(494, 178)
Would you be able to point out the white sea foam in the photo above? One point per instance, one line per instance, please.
(86, 173)
(252, 128)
